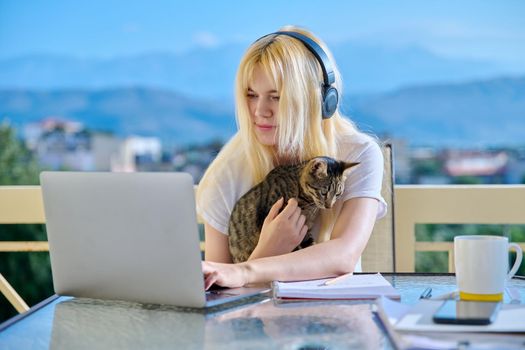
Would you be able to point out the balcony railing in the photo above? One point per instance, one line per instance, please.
(456, 204)
(414, 204)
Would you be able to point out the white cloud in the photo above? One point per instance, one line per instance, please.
(131, 28)
(448, 38)
(205, 39)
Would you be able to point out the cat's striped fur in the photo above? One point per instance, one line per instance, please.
(316, 184)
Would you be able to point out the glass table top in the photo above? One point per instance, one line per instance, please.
(254, 323)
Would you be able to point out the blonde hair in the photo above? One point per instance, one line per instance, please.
(302, 133)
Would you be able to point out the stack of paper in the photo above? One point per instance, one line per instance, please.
(415, 328)
(353, 287)
(511, 318)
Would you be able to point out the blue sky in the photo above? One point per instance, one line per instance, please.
(481, 30)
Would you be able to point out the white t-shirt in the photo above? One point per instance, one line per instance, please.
(364, 180)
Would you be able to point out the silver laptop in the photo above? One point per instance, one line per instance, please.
(127, 236)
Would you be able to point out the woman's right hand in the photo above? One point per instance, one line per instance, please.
(281, 232)
(224, 275)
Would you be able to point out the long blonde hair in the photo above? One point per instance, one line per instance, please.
(302, 133)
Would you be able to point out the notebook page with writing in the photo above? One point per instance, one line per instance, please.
(367, 286)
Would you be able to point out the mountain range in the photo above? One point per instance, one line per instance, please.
(475, 114)
(480, 113)
(172, 117)
(210, 72)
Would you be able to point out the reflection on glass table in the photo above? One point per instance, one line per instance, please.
(264, 325)
(259, 323)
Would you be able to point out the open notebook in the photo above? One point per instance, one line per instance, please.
(366, 286)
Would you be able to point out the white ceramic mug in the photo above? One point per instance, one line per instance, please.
(482, 266)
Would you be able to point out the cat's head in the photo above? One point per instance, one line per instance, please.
(323, 180)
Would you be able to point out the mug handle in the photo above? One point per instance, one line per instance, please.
(517, 263)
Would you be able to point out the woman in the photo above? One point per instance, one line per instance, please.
(280, 86)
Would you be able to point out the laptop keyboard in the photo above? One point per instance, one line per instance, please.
(218, 294)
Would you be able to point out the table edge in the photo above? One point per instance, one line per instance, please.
(8, 323)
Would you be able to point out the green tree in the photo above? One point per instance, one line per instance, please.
(427, 167)
(467, 180)
(17, 165)
(28, 273)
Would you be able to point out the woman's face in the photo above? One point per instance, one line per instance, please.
(263, 103)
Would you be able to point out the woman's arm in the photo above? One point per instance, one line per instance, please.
(334, 257)
(281, 233)
(216, 245)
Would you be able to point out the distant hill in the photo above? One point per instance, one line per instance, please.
(490, 112)
(210, 72)
(174, 118)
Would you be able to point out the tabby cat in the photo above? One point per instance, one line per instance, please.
(315, 183)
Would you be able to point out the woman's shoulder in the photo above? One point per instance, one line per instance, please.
(221, 189)
(357, 138)
(358, 145)
(229, 168)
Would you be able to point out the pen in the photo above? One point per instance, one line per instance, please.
(397, 341)
(336, 280)
(427, 293)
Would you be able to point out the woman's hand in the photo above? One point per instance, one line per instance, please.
(281, 232)
(224, 275)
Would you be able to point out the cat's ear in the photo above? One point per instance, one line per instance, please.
(348, 165)
(319, 168)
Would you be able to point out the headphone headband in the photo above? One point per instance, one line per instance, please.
(318, 52)
(330, 96)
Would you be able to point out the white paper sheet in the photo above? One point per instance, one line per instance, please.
(511, 318)
(366, 286)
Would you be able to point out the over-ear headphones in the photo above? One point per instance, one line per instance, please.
(329, 94)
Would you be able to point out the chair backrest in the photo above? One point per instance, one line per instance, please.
(379, 254)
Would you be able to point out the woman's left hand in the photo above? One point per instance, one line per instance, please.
(224, 275)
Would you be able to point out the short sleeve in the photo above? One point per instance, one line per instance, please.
(217, 200)
(365, 179)
(213, 208)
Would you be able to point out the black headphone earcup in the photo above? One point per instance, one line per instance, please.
(329, 102)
